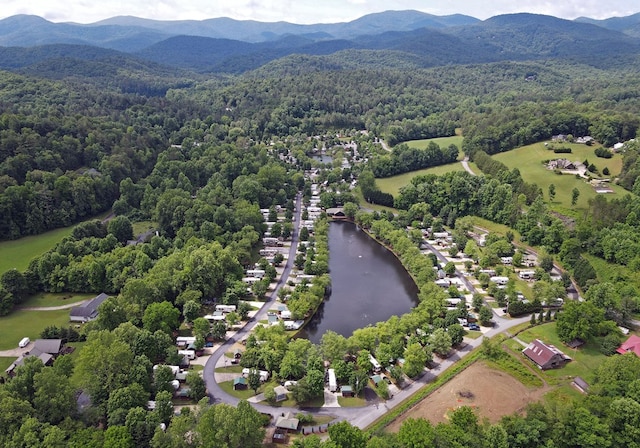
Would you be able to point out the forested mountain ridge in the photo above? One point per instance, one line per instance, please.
(132, 33)
(629, 25)
(507, 37)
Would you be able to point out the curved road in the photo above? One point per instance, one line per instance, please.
(361, 416)
(465, 165)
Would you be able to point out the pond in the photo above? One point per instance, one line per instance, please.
(368, 285)
(323, 158)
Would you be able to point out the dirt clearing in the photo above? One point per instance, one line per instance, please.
(492, 393)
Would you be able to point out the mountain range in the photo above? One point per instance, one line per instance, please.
(233, 46)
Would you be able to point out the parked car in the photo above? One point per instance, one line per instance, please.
(474, 326)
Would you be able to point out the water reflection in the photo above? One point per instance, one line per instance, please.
(368, 282)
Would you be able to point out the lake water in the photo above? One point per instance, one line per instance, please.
(368, 285)
(322, 158)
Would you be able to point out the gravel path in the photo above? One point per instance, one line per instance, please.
(52, 308)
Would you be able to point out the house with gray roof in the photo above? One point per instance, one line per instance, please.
(44, 349)
(88, 311)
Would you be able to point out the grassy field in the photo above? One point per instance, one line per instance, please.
(610, 272)
(393, 184)
(349, 402)
(18, 253)
(55, 299)
(142, 226)
(365, 204)
(227, 386)
(19, 324)
(585, 359)
(443, 142)
(528, 160)
(5, 363)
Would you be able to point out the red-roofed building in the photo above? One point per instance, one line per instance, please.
(630, 345)
(545, 356)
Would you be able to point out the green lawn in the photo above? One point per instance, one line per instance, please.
(585, 359)
(5, 363)
(227, 386)
(351, 402)
(365, 204)
(493, 227)
(443, 142)
(55, 299)
(528, 160)
(393, 184)
(142, 226)
(229, 369)
(18, 253)
(472, 334)
(19, 324)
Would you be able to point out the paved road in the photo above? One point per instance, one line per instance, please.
(362, 416)
(215, 392)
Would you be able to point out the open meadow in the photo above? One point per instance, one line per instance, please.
(16, 254)
(443, 142)
(393, 184)
(584, 362)
(528, 160)
(20, 323)
(46, 299)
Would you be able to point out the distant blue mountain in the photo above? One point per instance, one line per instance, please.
(405, 38)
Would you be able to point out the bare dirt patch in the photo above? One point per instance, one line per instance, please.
(492, 393)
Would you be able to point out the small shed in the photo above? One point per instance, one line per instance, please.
(581, 384)
(240, 383)
(281, 393)
(377, 379)
(347, 391)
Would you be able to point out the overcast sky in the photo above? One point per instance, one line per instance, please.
(304, 11)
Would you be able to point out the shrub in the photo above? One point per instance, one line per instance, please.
(519, 308)
(603, 153)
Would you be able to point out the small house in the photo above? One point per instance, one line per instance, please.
(376, 379)
(545, 356)
(44, 349)
(88, 311)
(281, 393)
(240, 383)
(347, 391)
(630, 345)
(287, 422)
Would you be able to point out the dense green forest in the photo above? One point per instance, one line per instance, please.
(200, 157)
